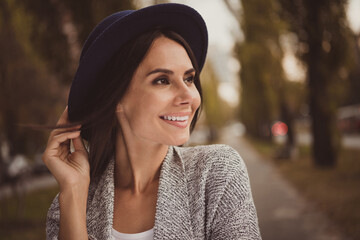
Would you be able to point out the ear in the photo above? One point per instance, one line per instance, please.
(119, 108)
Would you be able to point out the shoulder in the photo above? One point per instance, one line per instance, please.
(212, 166)
(219, 192)
(216, 175)
(213, 151)
(218, 157)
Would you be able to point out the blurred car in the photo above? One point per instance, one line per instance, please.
(349, 119)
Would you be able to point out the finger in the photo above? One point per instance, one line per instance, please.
(61, 138)
(79, 144)
(63, 130)
(64, 154)
(65, 145)
(64, 149)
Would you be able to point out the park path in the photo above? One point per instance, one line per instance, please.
(283, 213)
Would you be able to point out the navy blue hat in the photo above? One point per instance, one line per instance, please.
(116, 30)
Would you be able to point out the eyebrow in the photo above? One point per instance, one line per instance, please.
(167, 71)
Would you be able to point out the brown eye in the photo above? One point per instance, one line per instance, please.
(161, 81)
(189, 80)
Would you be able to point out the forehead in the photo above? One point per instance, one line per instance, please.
(165, 52)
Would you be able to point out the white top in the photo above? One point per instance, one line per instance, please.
(147, 235)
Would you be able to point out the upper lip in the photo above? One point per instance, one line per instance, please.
(177, 114)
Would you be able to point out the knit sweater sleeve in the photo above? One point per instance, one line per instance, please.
(53, 220)
(235, 215)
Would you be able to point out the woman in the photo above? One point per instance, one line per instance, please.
(135, 97)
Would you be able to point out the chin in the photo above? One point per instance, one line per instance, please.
(179, 140)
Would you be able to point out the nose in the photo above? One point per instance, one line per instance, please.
(184, 94)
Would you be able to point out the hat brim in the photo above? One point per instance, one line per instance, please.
(180, 18)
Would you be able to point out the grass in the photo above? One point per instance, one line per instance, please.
(30, 223)
(336, 191)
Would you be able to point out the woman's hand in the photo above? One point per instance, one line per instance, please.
(70, 169)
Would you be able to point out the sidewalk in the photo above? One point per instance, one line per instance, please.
(283, 214)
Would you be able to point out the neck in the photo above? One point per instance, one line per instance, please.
(137, 163)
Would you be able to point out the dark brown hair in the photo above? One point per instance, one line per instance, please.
(100, 127)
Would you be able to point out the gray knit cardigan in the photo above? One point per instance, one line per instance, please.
(204, 193)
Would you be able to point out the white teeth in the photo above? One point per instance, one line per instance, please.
(173, 118)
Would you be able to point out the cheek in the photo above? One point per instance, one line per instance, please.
(196, 99)
(153, 103)
(145, 105)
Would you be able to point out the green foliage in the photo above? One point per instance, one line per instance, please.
(216, 110)
(260, 55)
(40, 26)
(295, 94)
(352, 85)
(87, 13)
(37, 62)
(325, 47)
(37, 26)
(25, 86)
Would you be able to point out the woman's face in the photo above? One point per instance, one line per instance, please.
(162, 98)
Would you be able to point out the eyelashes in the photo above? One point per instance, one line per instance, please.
(165, 80)
(161, 81)
(190, 79)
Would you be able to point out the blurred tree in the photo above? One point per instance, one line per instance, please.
(262, 78)
(324, 47)
(352, 95)
(38, 29)
(56, 29)
(40, 44)
(217, 112)
(87, 13)
(25, 86)
(160, 1)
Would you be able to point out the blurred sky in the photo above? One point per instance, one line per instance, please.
(224, 30)
(353, 12)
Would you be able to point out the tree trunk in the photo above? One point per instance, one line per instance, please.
(321, 99)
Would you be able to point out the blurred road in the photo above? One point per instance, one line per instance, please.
(283, 214)
(348, 141)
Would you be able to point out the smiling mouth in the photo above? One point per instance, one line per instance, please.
(177, 121)
(175, 118)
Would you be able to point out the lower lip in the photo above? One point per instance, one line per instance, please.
(180, 124)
